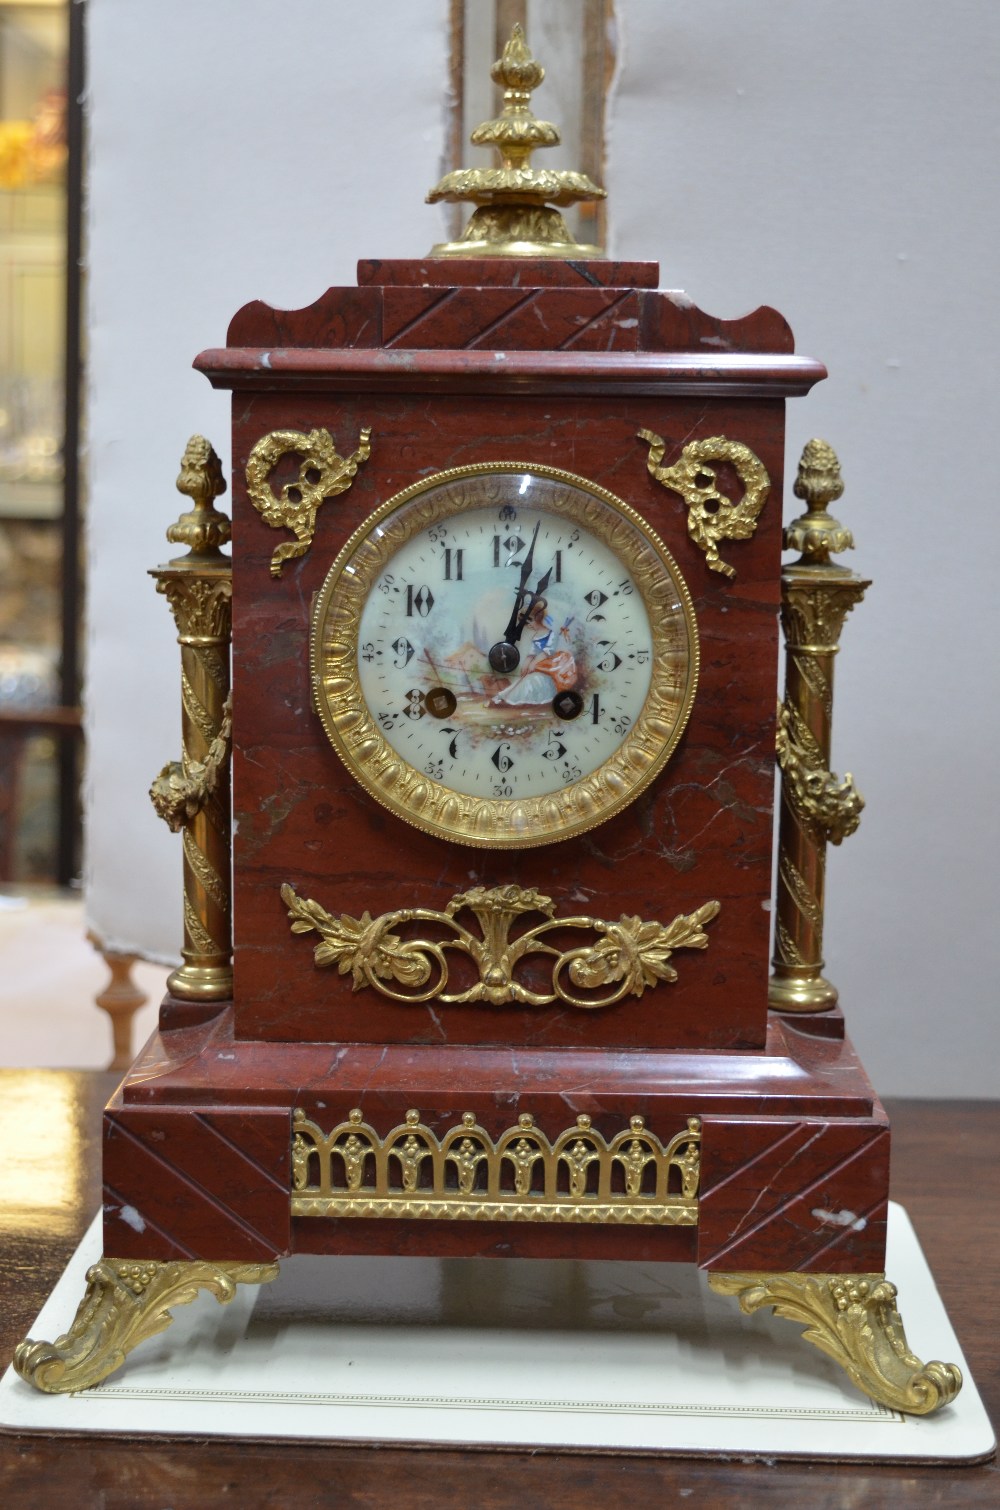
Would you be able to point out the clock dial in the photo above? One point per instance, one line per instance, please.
(504, 654)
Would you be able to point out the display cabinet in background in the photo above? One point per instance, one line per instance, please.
(39, 418)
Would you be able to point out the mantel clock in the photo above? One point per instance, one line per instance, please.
(501, 734)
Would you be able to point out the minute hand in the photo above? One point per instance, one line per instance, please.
(533, 597)
(514, 626)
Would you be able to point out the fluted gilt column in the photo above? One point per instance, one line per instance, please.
(817, 808)
(192, 794)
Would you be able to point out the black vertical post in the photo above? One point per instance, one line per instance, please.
(67, 857)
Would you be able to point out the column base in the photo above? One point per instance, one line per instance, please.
(805, 992)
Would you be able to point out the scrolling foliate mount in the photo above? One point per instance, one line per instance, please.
(323, 473)
(853, 1318)
(712, 516)
(126, 1302)
(628, 956)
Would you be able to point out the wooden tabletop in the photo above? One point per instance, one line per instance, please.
(946, 1172)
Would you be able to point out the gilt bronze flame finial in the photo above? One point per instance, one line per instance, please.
(515, 214)
(203, 528)
(816, 533)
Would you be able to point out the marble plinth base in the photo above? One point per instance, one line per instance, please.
(521, 1353)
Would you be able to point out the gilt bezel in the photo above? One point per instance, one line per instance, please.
(429, 805)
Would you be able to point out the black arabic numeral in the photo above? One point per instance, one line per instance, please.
(453, 559)
(596, 599)
(421, 601)
(501, 757)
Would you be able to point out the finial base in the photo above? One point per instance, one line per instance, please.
(516, 231)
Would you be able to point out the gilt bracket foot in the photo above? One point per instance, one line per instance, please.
(125, 1302)
(852, 1318)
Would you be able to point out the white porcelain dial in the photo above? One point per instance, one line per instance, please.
(525, 654)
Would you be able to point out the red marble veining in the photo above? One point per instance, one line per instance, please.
(209, 1065)
(494, 362)
(701, 832)
(821, 1193)
(506, 272)
(547, 363)
(610, 374)
(549, 319)
(794, 1145)
(197, 1182)
(513, 307)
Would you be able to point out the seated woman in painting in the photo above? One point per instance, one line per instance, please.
(548, 669)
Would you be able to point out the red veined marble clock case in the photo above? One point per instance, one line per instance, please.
(559, 364)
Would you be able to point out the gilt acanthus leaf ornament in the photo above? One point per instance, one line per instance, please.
(629, 956)
(853, 1318)
(640, 952)
(126, 1303)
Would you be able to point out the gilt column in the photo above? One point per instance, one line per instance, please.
(816, 807)
(192, 795)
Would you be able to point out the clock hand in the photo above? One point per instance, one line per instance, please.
(533, 597)
(512, 632)
(504, 656)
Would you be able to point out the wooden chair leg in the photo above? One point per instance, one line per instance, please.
(121, 998)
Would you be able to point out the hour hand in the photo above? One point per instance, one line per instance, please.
(504, 656)
(533, 597)
(514, 625)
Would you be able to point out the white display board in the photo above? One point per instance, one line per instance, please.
(830, 158)
(591, 1355)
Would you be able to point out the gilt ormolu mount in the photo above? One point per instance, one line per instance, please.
(531, 857)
